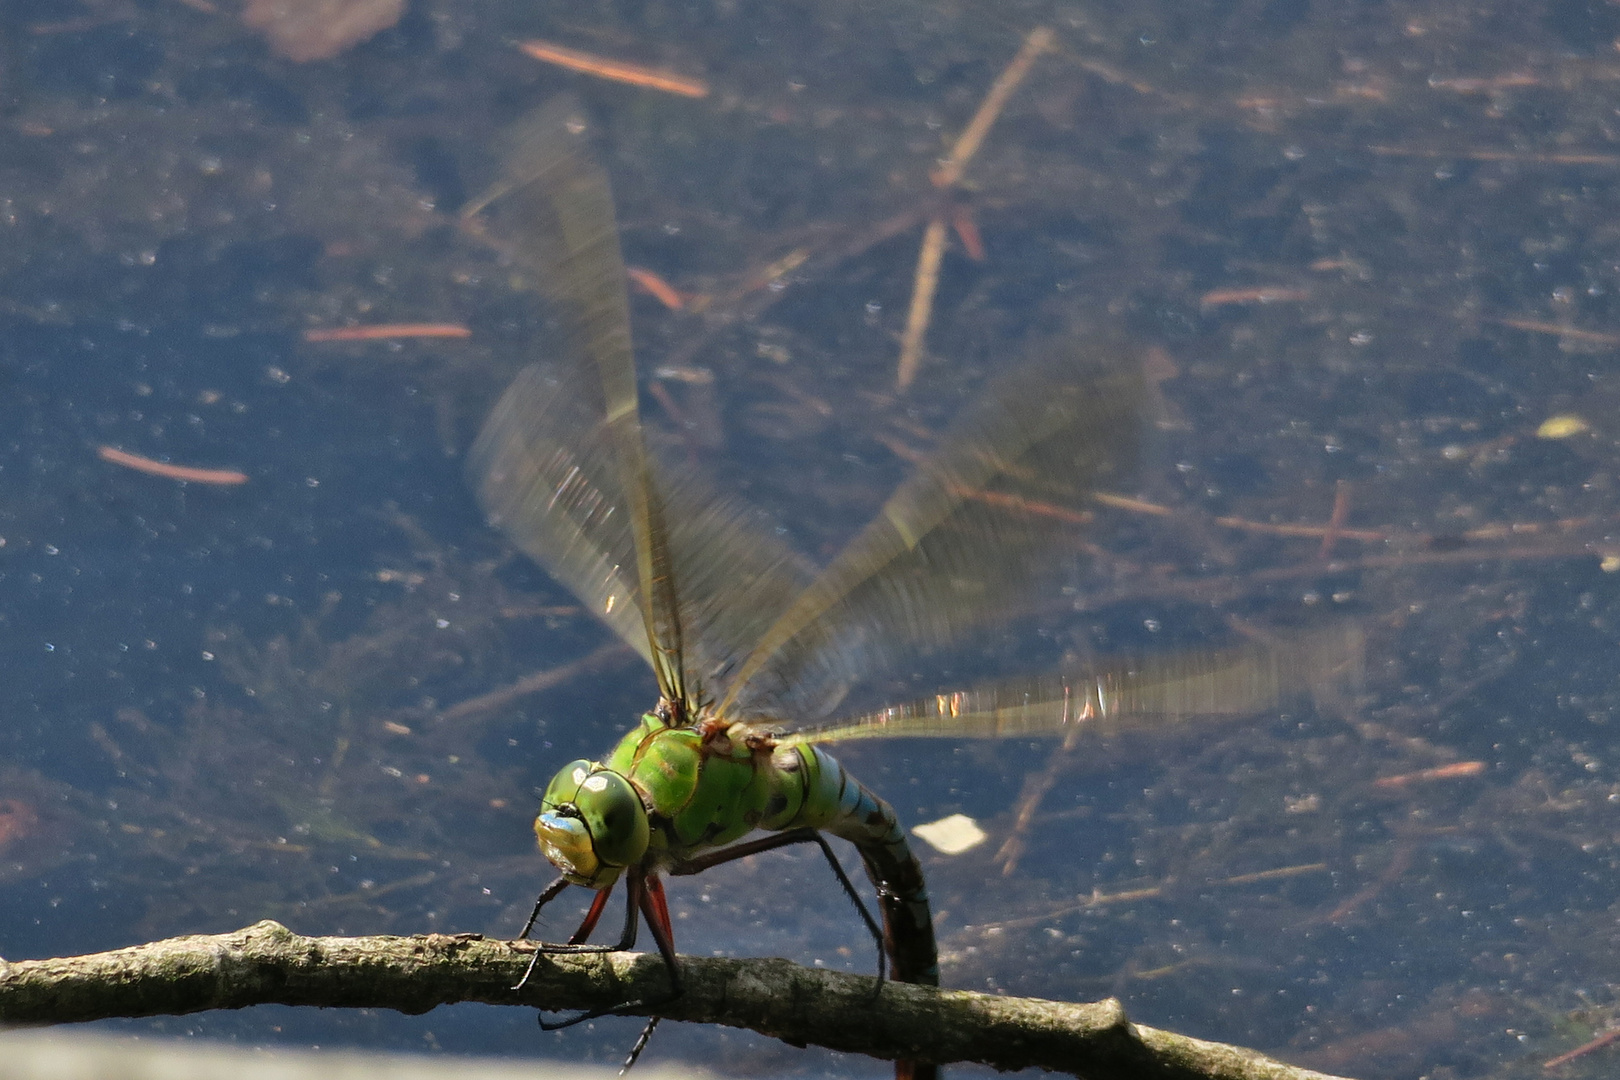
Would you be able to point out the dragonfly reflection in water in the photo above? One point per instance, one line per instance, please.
(748, 645)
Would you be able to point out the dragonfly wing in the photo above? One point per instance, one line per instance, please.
(736, 576)
(967, 540)
(546, 474)
(562, 465)
(1122, 696)
(564, 224)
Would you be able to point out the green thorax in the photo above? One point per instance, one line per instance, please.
(705, 787)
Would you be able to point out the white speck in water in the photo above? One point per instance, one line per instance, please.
(952, 835)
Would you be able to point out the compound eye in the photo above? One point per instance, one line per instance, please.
(613, 813)
(564, 787)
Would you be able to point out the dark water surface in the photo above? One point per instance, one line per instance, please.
(223, 704)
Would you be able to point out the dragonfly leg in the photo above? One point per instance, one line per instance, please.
(635, 900)
(783, 839)
(585, 927)
(588, 923)
(656, 909)
(645, 898)
(547, 895)
(641, 1044)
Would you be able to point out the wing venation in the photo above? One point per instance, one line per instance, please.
(1122, 695)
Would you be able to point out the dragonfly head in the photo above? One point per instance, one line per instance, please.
(592, 824)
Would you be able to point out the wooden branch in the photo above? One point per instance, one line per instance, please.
(268, 964)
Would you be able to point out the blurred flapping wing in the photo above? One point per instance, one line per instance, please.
(979, 528)
(1124, 695)
(688, 579)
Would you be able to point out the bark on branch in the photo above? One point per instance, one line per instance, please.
(268, 964)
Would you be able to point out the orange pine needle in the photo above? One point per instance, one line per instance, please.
(1033, 507)
(173, 472)
(967, 231)
(388, 331)
(1260, 294)
(616, 70)
(1140, 506)
(1556, 158)
(1341, 510)
(1535, 326)
(1582, 1050)
(1279, 874)
(1015, 503)
(1455, 771)
(1489, 85)
(656, 287)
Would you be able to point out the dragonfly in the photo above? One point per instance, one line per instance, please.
(753, 647)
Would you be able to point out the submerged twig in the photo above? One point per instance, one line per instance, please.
(947, 175)
(600, 657)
